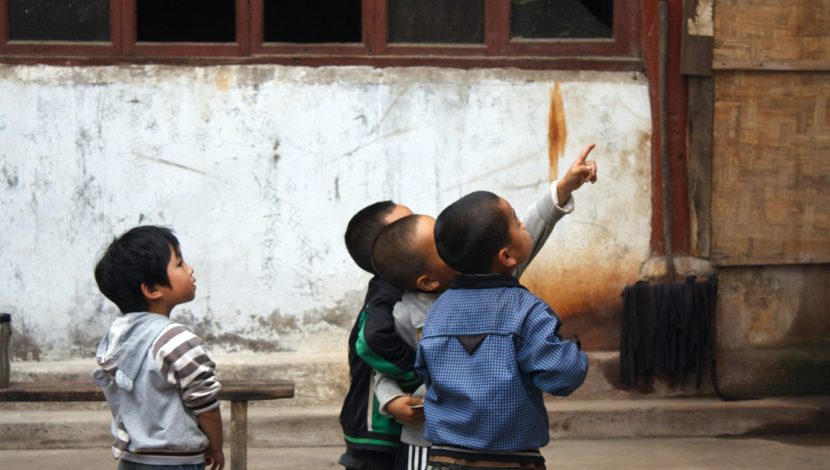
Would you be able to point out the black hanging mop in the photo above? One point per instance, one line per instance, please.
(669, 327)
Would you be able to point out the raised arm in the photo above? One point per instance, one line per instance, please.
(555, 203)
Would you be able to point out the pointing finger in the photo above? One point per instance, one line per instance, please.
(584, 155)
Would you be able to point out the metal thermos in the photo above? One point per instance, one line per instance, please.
(5, 344)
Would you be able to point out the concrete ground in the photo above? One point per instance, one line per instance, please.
(767, 452)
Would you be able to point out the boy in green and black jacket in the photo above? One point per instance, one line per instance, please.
(371, 438)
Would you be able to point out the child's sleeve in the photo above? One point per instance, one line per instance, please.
(379, 345)
(540, 218)
(183, 362)
(378, 342)
(386, 390)
(554, 365)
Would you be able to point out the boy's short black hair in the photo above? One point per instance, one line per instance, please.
(470, 232)
(395, 256)
(139, 256)
(362, 229)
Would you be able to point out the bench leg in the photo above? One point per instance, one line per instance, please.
(239, 435)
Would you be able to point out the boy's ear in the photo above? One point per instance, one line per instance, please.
(150, 292)
(426, 283)
(506, 259)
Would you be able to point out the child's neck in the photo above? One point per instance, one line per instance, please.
(160, 310)
(500, 268)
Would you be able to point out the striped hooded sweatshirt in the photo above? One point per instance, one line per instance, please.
(156, 378)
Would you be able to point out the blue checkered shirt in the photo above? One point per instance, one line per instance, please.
(491, 399)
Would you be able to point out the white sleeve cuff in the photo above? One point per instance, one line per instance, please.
(554, 196)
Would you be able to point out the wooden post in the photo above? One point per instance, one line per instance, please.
(239, 435)
(700, 137)
(696, 64)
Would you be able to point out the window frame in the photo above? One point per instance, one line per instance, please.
(10, 47)
(241, 47)
(620, 52)
(261, 48)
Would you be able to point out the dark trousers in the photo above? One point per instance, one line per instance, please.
(127, 465)
(366, 460)
(440, 462)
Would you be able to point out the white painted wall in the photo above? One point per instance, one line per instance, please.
(258, 169)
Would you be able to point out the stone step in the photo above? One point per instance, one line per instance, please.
(282, 425)
(323, 379)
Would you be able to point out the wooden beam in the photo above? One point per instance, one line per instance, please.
(581, 63)
(677, 121)
(818, 65)
(701, 119)
(232, 390)
(696, 63)
(698, 38)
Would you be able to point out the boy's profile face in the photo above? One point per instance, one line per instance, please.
(182, 286)
(519, 244)
(436, 271)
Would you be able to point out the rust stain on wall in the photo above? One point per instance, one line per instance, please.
(557, 131)
(588, 299)
(223, 80)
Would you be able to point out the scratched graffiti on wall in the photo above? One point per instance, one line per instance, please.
(258, 169)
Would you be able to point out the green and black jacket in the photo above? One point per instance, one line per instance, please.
(374, 345)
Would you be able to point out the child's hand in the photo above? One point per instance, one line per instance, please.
(581, 170)
(402, 409)
(214, 459)
(211, 424)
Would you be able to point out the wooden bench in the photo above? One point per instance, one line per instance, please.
(238, 392)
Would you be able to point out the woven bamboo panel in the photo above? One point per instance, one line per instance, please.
(776, 30)
(771, 168)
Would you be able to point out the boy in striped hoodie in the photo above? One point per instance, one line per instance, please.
(157, 378)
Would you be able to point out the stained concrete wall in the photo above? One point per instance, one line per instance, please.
(774, 330)
(258, 169)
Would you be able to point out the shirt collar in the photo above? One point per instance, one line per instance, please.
(484, 281)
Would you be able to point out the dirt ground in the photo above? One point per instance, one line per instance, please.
(768, 452)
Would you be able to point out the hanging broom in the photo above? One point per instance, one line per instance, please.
(668, 327)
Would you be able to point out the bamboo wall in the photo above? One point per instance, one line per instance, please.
(771, 136)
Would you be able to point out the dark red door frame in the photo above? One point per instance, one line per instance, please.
(676, 92)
